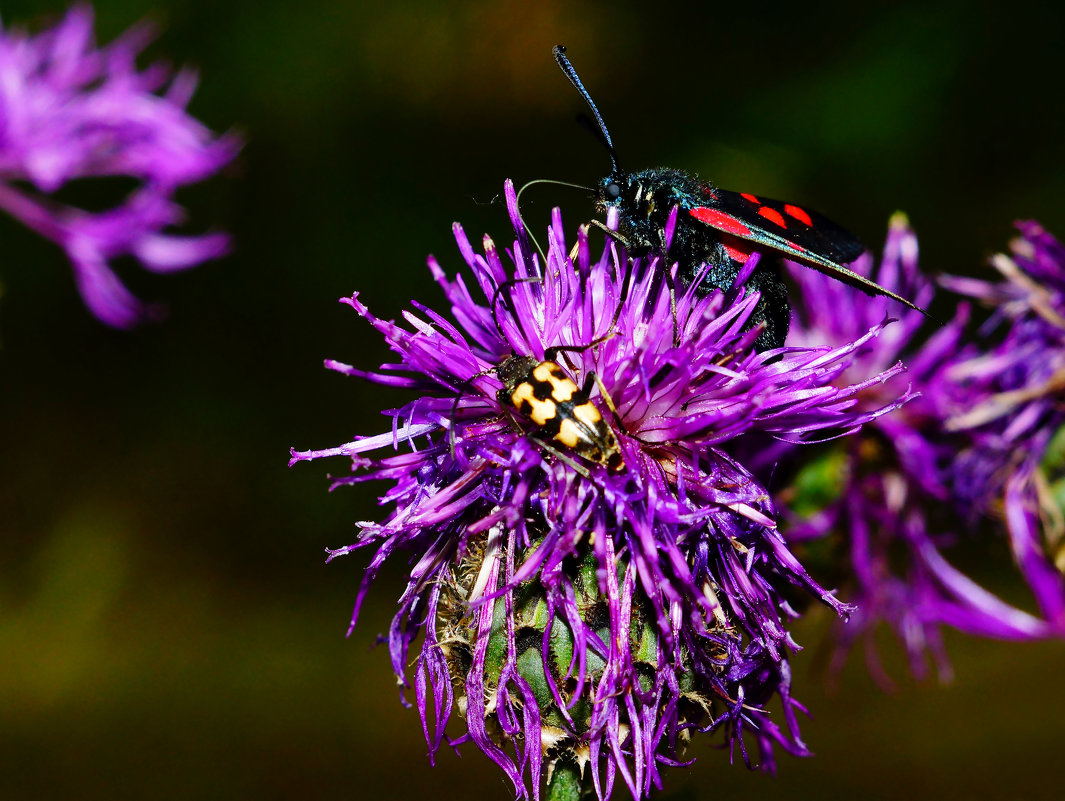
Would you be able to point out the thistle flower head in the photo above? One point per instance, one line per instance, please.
(917, 481)
(70, 110)
(1014, 377)
(583, 613)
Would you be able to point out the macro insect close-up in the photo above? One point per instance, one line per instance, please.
(648, 490)
(540, 390)
(561, 410)
(717, 230)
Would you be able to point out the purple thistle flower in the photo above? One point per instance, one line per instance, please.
(915, 482)
(70, 110)
(1018, 381)
(578, 616)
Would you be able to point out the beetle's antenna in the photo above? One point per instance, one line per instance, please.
(563, 62)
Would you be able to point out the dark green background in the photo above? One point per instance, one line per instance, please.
(167, 627)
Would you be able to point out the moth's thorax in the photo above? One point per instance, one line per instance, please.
(644, 200)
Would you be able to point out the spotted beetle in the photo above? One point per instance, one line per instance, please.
(560, 410)
(542, 392)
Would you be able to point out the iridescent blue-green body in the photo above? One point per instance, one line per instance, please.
(718, 231)
(644, 203)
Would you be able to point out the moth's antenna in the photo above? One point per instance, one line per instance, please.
(556, 183)
(563, 62)
(528, 230)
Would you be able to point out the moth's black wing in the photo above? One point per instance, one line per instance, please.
(801, 235)
(809, 230)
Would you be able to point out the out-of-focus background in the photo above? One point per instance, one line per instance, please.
(168, 628)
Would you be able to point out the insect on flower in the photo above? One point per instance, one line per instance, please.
(562, 412)
(560, 409)
(584, 620)
(721, 229)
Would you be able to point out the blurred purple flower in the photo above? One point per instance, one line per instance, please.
(915, 482)
(576, 615)
(1016, 374)
(70, 110)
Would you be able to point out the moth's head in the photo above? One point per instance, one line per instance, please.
(618, 190)
(632, 194)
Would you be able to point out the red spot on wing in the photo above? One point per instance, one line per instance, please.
(797, 248)
(798, 214)
(773, 216)
(750, 197)
(736, 253)
(719, 220)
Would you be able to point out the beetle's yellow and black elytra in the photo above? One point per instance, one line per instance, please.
(561, 411)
